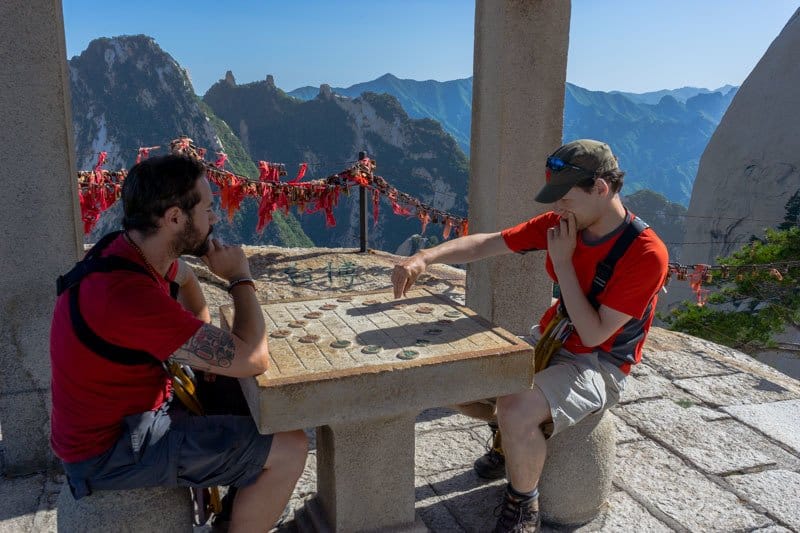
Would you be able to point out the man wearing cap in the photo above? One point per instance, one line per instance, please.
(593, 337)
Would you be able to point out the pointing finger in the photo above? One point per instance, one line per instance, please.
(398, 281)
(409, 283)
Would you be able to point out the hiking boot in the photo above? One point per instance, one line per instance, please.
(492, 465)
(516, 516)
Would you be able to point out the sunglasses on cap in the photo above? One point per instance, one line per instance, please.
(557, 164)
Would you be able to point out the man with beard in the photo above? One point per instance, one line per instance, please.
(115, 421)
(591, 337)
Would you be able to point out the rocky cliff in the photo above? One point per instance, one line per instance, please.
(751, 167)
(128, 93)
(447, 102)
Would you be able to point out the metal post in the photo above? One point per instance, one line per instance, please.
(362, 216)
(362, 203)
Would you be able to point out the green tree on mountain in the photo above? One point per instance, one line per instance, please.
(760, 296)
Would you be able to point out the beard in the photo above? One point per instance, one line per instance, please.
(192, 242)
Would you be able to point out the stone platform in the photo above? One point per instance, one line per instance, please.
(708, 440)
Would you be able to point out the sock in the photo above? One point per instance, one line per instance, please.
(523, 496)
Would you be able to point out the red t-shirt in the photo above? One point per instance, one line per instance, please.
(632, 289)
(92, 395)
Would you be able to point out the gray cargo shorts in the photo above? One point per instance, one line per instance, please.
(575, 385)
(170, 447)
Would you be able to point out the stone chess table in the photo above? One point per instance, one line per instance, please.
(359, 367)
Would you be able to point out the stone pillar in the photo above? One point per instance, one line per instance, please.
(576, 480)
(365, 474)
(517, 117)
(150, 509)
(38, 214)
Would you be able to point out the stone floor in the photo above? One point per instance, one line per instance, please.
(708, 439)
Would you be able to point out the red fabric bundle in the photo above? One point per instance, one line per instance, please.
(265, 208)
(300, 173)
(397, 209)
(263, 171)
(376, 200)
(696, 283)
(282, 202)
(232, 193)
(220, 162)
(424, 217)
(327, 199)
(448, 226)
(359, 178)
(98, 173)
(89, 211)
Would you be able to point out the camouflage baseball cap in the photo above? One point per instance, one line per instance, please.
(572, 164)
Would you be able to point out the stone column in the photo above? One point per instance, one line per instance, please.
(517, 116)
(38, 214)
(576, 480)
(365, 474)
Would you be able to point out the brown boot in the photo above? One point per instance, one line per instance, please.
(518, 516)
(492, 465)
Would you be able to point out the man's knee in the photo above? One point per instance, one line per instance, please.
(523, 411)
(296, 443)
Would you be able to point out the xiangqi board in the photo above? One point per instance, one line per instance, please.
(346, 331)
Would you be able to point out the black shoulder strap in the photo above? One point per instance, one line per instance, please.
(606, 267)
(71, 280)
(92, 262)
(106, 350)
(174, 289)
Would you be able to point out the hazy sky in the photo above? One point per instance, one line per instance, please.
(629, 45)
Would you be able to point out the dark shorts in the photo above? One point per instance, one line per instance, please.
(171, 447)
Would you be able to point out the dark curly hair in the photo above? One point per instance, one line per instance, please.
(156, 184)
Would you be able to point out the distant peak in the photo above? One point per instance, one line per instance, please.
(134, 39)
(125, 42)
(325, 91)
(387, 76)
(229, 79)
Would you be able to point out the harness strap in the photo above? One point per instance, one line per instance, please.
(606, 267)
(106, 350)
(71, 280)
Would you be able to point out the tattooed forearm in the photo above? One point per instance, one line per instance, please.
(208, 348)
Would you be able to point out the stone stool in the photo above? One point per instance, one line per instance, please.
(576, 480)
(135, 511)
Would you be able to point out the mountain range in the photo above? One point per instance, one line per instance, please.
(681, 94)
(447, 102)
(658, 136)
(127, 92)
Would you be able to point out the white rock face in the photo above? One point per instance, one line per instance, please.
(751, 166)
